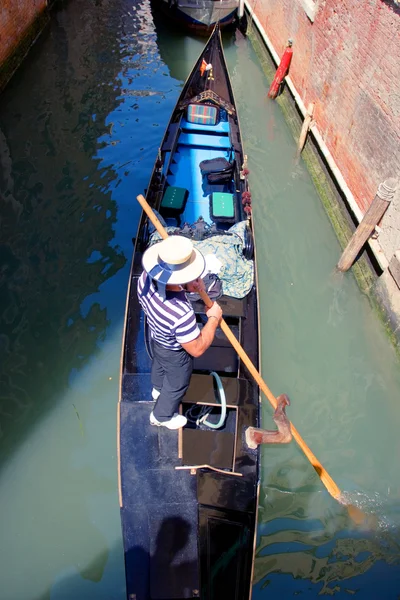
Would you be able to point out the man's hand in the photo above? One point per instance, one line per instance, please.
(215, 311)
(196, 286)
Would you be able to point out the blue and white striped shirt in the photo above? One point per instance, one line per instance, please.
(172, 321)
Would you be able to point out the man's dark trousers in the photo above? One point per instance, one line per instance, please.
(170, 375)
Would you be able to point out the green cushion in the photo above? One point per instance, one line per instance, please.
(222, 205)
(174, 198)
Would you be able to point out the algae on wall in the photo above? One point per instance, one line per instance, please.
(313, 160)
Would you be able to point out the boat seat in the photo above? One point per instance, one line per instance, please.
(205, 141)
(174, 202)
(232, 307)
(221, 127)
(222, 207)
(203, 114)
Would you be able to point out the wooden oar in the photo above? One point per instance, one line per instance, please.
(355, 513)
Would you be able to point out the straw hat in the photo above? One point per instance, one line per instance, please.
(173, 261)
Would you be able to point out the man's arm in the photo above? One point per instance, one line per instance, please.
(198, 346)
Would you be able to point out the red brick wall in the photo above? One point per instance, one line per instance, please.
(348, 62)
(16, 18)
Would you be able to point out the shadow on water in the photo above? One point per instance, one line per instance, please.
(147, 572)
(57, 214)
(84, 584)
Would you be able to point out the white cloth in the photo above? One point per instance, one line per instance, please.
(213, 264)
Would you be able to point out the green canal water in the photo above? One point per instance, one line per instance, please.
(80, 125)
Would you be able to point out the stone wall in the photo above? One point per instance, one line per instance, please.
(346, 60)
(21, 21)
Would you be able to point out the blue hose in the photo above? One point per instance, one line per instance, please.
(222, 398)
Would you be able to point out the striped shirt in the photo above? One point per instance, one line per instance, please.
(172, 321)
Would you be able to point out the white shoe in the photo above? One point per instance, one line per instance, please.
(176, 422)
(155, 393)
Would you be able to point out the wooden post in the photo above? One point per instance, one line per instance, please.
(371, 218)
(305, 128)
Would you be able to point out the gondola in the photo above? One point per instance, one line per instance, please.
(200, 16)
(189, 498)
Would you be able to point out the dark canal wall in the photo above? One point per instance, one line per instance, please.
(20, 24)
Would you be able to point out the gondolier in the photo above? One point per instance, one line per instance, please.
(172, 267)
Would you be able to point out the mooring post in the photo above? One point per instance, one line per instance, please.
(366, 227)
(305, 127)
(282, 70)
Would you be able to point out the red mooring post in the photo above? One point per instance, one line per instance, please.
(282, 70)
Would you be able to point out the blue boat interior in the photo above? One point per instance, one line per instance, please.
(194, 143)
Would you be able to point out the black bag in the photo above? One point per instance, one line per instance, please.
(221, 177)
(213, 288)
(214, 165)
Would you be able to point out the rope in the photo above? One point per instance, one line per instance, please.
(222, 398)
(198, 414)
(253, 12)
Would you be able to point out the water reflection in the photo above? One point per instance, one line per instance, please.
(72, 152)
(308, 545)
(57, 217)
(180, 50)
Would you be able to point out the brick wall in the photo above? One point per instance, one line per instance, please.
(347, 60)
(19, 26)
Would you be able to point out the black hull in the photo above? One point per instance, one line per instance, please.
(193, 23)
(189, 530)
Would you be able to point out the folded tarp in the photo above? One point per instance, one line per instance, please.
(236, 273)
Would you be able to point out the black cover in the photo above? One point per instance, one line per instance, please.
(220, 177)
(215, 165)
